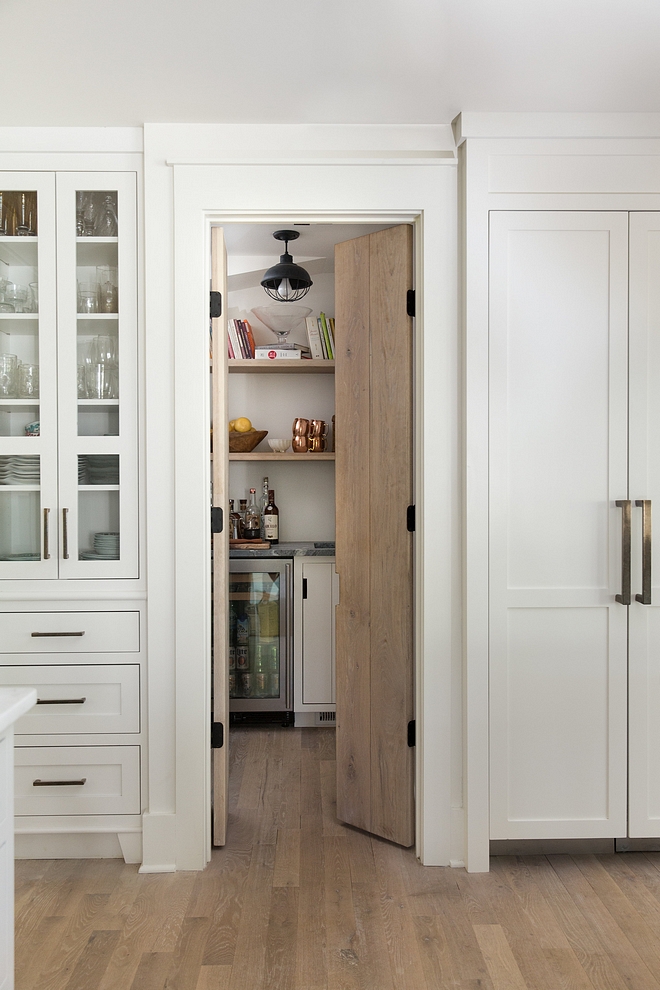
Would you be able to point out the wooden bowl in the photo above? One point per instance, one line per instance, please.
(243, 443)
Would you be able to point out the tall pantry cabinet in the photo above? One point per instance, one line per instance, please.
(70, 612)
(570, 379)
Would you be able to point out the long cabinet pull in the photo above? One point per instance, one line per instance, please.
(624, 505)
(59, 783)
(61, 701)
(51, 634)
(65, 534)
(46, 546)
(645, 506)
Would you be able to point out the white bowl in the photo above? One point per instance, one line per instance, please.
(279, 446)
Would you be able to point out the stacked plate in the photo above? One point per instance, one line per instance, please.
(20, 556)
(17, 469)
(106, 547)
(98, 469)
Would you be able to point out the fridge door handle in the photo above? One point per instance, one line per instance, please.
(624, 505)
(645, 506)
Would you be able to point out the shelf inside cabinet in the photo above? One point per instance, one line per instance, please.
(300, 367)
(98, 403)
(16, 251)
(267, 456)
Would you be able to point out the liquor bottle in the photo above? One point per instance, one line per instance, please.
(272, 519)
(234, 522)
(264, 503)
(252, 525)
(242, 509)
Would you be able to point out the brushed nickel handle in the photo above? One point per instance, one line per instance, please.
(51, 634)
(59, 783)
(46, 522)
(65, 534)
(624, 505)
(645, 506)
(61, 701)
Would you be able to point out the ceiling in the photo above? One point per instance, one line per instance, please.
(84, 63)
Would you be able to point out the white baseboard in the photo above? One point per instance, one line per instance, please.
(67, 845)
(158, 843)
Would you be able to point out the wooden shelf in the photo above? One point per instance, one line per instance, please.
(266, 456)
(285, 367)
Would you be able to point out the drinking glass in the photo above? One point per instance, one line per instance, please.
(16, 296)
(104, 351)
(33, 297)
(8, 366)
(82, 384)
(28, 381)
(98, 381)
(88, 297)
(106, 276)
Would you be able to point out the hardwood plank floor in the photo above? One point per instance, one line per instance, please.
(298, 901)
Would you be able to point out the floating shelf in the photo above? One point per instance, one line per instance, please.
(299, 367)
(97, 403)
(266, 456)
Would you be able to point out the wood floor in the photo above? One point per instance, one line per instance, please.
(297, 901)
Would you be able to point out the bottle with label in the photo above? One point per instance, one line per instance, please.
(272, 519)
(264, 503)
(242, 509)
(252, 524)
(234, 522)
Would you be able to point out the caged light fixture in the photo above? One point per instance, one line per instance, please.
(286, 282)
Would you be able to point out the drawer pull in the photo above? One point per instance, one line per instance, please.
(58, 633)
(61, 701)
(59, 783)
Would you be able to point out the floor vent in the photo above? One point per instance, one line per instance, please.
(323, 717)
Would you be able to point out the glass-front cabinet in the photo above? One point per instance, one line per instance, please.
(68, 375)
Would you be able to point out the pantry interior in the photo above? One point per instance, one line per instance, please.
(271, 394)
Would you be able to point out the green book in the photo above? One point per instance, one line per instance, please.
(326, 337)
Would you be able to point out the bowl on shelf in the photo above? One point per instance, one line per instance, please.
(243, 443)
(279, 446)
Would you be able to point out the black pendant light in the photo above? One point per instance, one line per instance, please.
(286, 282)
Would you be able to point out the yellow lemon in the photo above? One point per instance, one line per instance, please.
(231, 425)
(242, 425)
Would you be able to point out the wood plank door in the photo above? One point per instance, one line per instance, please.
(220, 474)
(644, 655)
(558, 443)
(374, 549)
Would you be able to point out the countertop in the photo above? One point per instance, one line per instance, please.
(287, 550)
(14, 702)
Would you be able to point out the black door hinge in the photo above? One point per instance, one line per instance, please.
(304, 588)
(217, 521)
(410, 518)
(217, 735)
(216, 304)
(411, 733)
(410, 302)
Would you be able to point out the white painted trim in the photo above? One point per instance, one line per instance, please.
(97, 140)
(381, 158)
(555, 125)
(158, 842)
(178, 605)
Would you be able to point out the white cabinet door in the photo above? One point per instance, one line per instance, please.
(314, 637)
(558, 463)
(644, 662)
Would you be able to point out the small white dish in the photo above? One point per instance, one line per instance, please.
(279, 446)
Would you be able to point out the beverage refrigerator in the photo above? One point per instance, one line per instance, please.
(260, 641)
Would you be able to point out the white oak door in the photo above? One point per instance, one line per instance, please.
(374, 618)
(220, 754)
(644, 662)
(558, 464)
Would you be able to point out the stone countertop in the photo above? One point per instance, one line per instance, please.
(14, 702)
(287, 550)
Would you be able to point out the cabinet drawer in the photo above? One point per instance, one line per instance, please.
(98, 780)
(69, 632)
(104, 698)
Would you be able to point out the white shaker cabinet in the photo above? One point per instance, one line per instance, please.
(560, 445)
(315, 597)
(68, 428)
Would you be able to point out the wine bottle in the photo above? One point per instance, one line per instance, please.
(252, 526)
(264, 503)
(242, 509)
(272, 519)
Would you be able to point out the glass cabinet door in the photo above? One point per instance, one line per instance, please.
(98, 374)
(28, 382)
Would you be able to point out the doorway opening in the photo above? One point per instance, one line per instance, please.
(274, 623)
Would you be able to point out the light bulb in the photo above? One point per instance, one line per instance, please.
(284, 288)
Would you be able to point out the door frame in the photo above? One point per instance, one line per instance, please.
(403, 191)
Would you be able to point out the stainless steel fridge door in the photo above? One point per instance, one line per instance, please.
(260, 630)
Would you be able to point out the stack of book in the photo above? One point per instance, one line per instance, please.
(281, 352)
(321, 335)
(240, 342)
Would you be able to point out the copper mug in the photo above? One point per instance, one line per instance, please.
(299, 442)
(317, 436)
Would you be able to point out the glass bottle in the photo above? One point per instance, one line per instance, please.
(107, 223)
(252, 526)
(272, 519)
(234, 522)
(242, 509)
(264, 503)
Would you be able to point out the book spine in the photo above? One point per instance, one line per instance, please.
(326, 337)
(243, 337)
(250, 337)
(274, 354)
(331, 331)
(322, 338)
(233, 336)
(230, 349)
(314, 338)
